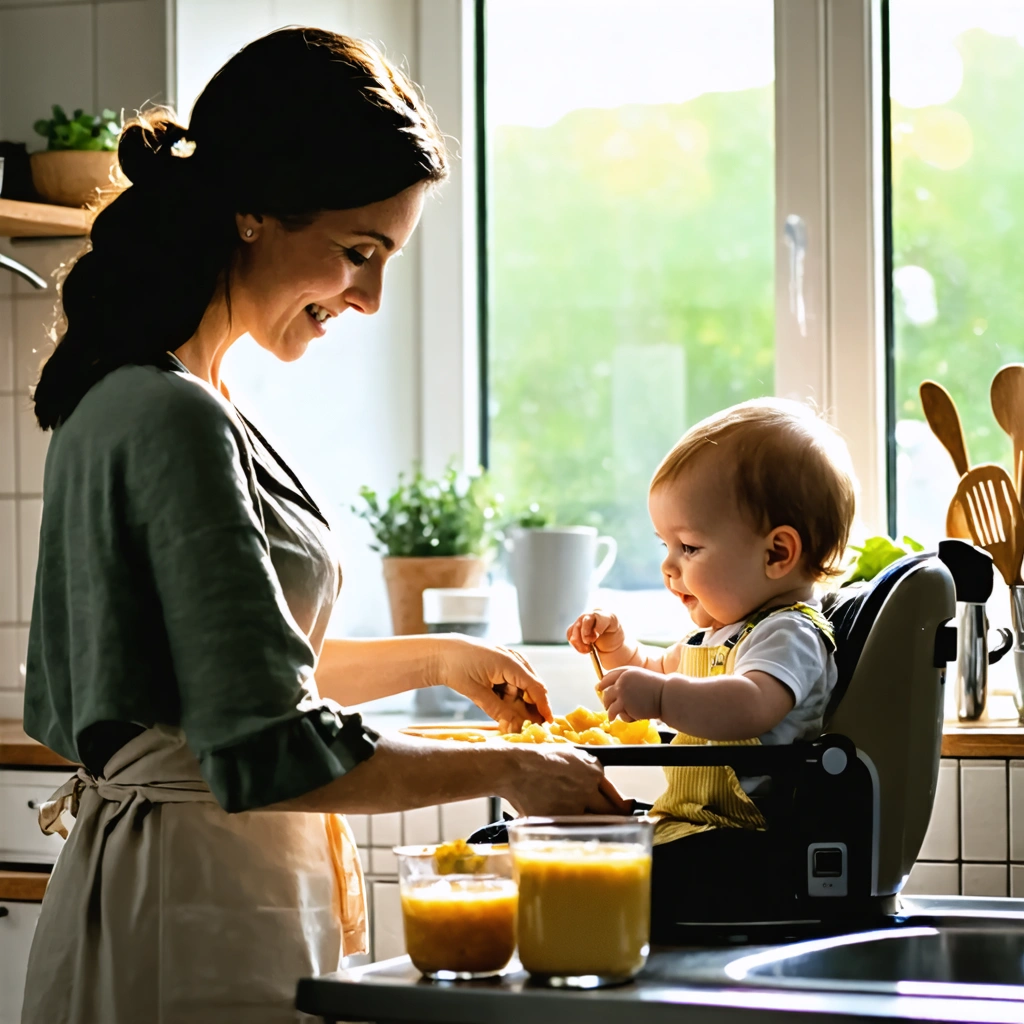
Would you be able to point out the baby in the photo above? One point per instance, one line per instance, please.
(754, 506)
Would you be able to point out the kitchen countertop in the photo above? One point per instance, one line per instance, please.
(393, 990)
(27, 886)
(21, 751)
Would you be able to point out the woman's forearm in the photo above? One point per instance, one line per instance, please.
(356, 671)
(405, 773)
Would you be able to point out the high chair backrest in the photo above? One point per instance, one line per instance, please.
(892, 645)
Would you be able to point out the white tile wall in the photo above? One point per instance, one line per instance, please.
(6, 341)
(46, 58)
(7, 445)
(8, 561)
(386, 932)
(127, 37)
(386, 830)
(1017, 810)
(933, 880)
(942, 840)
(1017, 880)
(30, 513)
(32, 445)
(422, 826)
(79, 54)
(383, 862)
(983, 810)
(984, 880)
(360, 825)
(33, 320)
(461, 819)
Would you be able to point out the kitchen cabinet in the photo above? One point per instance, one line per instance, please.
(17, 923)
(21, 793)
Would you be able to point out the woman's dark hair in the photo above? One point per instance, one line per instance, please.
(297, 122)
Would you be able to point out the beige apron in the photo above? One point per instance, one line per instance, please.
(699, 799)
(164, 909)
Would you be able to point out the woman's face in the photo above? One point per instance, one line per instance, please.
(288, 283)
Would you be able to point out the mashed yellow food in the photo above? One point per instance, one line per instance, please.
(462, 925)
(584, 908)
(586, 726)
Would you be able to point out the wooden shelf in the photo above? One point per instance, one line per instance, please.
(983, 741)
(38, 220)
(21, 751)
(27, 886)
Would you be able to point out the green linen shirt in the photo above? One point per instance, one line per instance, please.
(185, 578)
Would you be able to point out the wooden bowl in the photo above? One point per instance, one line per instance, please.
(72, 177)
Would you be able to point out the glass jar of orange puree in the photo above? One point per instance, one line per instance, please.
(584, 898)
(458, 909)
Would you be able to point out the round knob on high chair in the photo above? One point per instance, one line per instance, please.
(834, 760)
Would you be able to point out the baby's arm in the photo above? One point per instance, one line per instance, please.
(723, 708)
(616, 648)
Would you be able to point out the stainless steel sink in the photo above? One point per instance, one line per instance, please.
(965, 959)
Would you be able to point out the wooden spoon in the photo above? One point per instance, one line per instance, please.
(1007, 396)
(994, 517)
(940, 412)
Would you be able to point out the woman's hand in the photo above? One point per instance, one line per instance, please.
(632, 693)
(549, 779)
(499, 681)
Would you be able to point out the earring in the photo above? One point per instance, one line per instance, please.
(248, 232)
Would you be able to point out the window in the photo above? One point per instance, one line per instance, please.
(957, 92)
(630, 211)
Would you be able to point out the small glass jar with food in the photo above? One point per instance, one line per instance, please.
(584, 898)
(458, 909)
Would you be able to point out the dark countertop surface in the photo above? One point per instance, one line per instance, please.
(688, 985)
(394, 991)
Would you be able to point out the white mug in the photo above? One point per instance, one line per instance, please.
(554, 574)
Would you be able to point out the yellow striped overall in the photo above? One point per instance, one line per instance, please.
(702, 798)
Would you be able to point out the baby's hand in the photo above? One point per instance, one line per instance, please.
(598, 629)
(632, 693)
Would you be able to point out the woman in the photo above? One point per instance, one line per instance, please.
(186, 577)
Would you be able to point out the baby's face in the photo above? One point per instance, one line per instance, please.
(715, 559)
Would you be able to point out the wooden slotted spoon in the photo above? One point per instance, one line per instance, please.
(940, 412)
(1007, 396)
(994, 517)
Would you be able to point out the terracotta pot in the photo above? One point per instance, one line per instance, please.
(71, 177)
(407, 578)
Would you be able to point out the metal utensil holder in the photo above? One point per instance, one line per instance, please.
(974, 658)
(1017, 613)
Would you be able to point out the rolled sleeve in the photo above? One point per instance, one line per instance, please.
(244, 670)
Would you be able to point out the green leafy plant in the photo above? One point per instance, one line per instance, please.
(453, 515)
(80, 131)
(875, 554)
(531, 518)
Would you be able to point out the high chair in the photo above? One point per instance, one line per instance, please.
(849, 810)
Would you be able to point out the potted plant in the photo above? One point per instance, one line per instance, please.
(430, 533)
(80, 157)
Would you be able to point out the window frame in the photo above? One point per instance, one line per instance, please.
(831, 170)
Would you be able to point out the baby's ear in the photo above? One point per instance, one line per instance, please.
(783, 551)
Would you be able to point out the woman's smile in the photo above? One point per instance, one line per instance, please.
(319, 315)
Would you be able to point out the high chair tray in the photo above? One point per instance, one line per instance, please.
(742, 758)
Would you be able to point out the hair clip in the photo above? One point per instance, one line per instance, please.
(183, 148)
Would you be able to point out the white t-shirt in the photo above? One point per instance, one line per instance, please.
(788, 646)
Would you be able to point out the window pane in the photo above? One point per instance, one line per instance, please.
(630, 155)
(957, 90)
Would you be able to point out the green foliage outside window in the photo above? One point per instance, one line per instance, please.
(632, 281)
